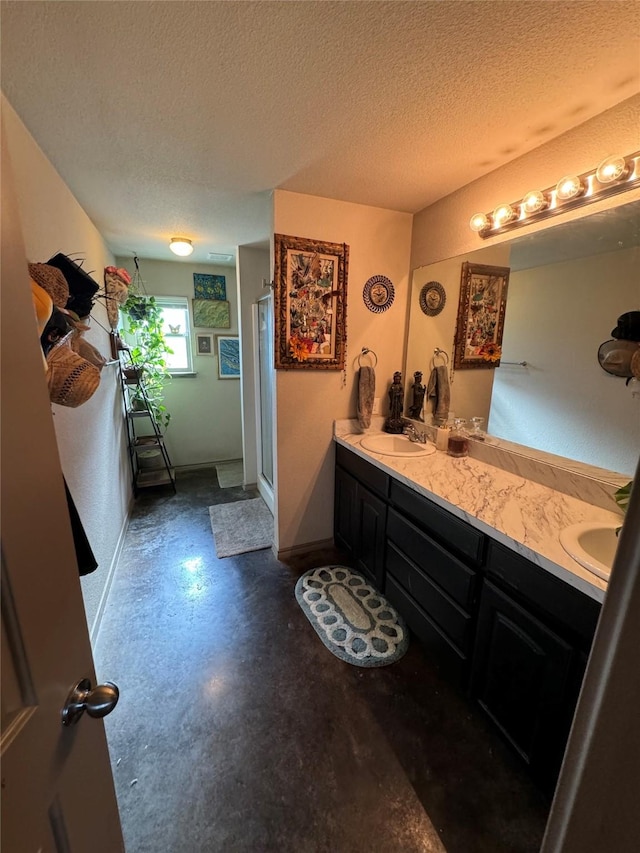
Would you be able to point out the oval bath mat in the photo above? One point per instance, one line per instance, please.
(352, 619)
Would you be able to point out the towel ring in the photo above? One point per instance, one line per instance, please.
(440, 353)
(366, 351)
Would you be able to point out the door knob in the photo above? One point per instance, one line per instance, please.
(97, 702)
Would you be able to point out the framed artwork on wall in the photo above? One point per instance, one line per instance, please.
(228, 348)
(310, 303)
(480, 323)
(211, 314)
(204, 344)
(206, 286)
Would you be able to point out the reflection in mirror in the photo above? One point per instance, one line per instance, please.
(567, 288)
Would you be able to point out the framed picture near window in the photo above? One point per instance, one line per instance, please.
(310, 303)
(204, 344)
(228, 348)
(480, 323)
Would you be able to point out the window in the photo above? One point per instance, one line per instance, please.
(177, 330)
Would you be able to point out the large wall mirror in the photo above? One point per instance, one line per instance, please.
(568, 285)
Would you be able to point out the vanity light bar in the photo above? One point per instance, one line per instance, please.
(615, 174)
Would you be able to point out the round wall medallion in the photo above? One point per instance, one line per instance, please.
(378, 293)
(432, 298)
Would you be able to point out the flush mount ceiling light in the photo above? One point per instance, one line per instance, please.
(181, 246)
(615, 174)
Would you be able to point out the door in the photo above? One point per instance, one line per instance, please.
(264, 397)
(57, 787)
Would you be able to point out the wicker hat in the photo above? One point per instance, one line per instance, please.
(615, 356)
(72, 380)
(86, 350)
(51, 280)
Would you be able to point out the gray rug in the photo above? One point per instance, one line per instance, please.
(230, 473)
(241, 526)
(355, 622)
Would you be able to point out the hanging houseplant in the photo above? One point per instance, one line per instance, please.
(144, 326)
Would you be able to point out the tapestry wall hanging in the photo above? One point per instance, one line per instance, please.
(483, 296)
(310, 300)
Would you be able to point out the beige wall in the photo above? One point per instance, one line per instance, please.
(442, 237)
(308, 401)
(90, 438)
(205, 422)
(442, 230)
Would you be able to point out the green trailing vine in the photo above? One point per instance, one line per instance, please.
(144, 326)
(622, 497)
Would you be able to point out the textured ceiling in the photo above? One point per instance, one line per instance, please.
(180, 117)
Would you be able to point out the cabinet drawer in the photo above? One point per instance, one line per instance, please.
(363, 471)
(561, 605)
(454, 621)
(453, 661)
(457, 535)
(448, 572)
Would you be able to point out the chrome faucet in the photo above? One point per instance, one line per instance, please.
(413, 434)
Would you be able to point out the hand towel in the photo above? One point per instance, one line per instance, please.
(438, 390)
(366, 393)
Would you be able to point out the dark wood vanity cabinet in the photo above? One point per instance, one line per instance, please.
(532, 642)
(431, 577)
(511, 635)
(360, 514)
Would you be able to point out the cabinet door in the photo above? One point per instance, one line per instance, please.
(522, 677)
(344, 520)
(371, 520)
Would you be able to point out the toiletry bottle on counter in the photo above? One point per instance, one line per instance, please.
(442, 437)
(458, 439)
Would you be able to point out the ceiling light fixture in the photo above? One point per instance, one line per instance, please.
(181, 246)
(615, 174)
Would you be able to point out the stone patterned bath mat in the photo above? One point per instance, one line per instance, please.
(352, 619)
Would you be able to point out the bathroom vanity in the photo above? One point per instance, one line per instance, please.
(469, 555)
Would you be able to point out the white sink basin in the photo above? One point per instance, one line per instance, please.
(592, 545)
(396, 445)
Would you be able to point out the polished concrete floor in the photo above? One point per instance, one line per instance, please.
(238, 731)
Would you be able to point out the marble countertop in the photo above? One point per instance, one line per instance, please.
(521, 514)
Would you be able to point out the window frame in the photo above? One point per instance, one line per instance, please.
(182, 303)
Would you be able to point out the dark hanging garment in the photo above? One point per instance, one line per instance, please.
(84, 555)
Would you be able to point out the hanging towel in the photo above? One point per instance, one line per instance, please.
(438, 390)
(366, 393)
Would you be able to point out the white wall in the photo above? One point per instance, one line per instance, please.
(565, 402)
(91, 438)
(308, 401)
(205, 422)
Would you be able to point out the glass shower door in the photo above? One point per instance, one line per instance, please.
(265, 377)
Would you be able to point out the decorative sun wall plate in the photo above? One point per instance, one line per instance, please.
(432, 298)
(378, 293)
